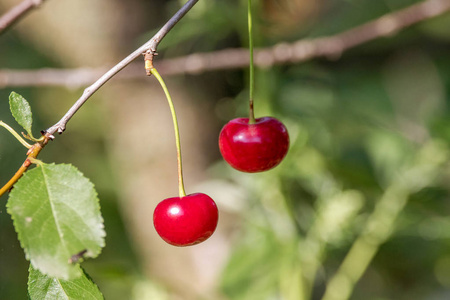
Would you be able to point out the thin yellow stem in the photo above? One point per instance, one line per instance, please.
(181, 190)
(15, 134)
(378, 228)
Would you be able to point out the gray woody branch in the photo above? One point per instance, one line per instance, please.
(299, 51)
(17, 12)
(150, 47)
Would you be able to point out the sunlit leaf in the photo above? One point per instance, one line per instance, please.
(41, 286)
(57, 216)
(21, 111)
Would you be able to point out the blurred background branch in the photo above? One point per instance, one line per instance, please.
(17, 12)
(284, 53)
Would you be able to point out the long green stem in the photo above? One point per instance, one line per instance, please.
(378, 229)
(15, 134)
(181, 190)
(251, 118)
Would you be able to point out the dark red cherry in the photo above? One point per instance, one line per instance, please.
(254, 147)
(186, 221)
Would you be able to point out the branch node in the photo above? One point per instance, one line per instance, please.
(148, 59)
(47, 135)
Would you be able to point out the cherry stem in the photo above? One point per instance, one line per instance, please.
(251, 119)
(181, 190)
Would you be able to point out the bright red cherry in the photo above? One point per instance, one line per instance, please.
(254, 147)
(186, 221)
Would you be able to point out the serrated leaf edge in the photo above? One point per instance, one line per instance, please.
(28, 130)
(102, 235)
(82, 273)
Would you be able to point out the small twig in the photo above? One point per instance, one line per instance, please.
(31, 156)
(15, 134)
(284, 53)
(17, 12)
(151, 46)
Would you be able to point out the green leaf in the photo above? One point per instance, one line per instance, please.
(21, 111)
(57, 216)
(41, 287)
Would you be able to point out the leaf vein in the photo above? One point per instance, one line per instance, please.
(50, 197)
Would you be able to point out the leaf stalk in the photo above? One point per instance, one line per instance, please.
(15, 134)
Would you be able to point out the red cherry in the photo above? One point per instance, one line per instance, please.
(254, 147)
(186, 221)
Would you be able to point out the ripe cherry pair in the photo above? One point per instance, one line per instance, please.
(248, 147)
(247, 144)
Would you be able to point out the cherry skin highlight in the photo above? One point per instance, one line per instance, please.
(186, 221)
(254, 147)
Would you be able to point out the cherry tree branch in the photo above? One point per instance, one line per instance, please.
(17, 12)
(283, 53)
(31, 155)
(149, 48)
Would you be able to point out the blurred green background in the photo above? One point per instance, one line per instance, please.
(366, 174)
